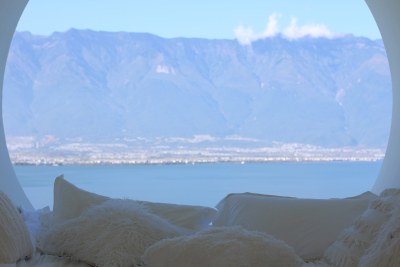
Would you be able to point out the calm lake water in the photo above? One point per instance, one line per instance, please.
(203, 184)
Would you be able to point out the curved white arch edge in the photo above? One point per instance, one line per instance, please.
(10, 12)
(384, 12)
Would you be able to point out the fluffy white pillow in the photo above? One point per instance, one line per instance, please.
(192, 218)
(373, 239)
(70, 201)
(308, 225)
(15, 241)
(115, 233)
(385, 250)
(222, 246)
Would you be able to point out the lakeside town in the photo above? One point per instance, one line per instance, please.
(199, 149)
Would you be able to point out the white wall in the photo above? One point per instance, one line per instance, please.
(387, 17)
(386, 13)
(10, 12)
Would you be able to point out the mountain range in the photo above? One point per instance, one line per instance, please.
(104, 85)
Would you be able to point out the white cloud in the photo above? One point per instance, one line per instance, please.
(272, 26)
(294, 31)
(246, 35)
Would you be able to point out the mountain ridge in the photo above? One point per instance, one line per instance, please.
(102, 85)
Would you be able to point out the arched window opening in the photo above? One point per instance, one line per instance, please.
(292, 92)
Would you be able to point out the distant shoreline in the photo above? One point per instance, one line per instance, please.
(24, 152)
(195, 162)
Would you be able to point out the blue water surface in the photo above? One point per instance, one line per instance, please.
(203, 184)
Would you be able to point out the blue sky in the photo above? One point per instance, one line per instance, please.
(207, 18)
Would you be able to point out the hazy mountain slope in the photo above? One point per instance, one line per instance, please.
(101, 85)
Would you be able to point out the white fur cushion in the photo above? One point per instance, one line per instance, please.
(308, 225)
(70, 201)
(115, 233)
(385, 249)
(222, 247)
(192, 218)
(374, 234)
(15, 241)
